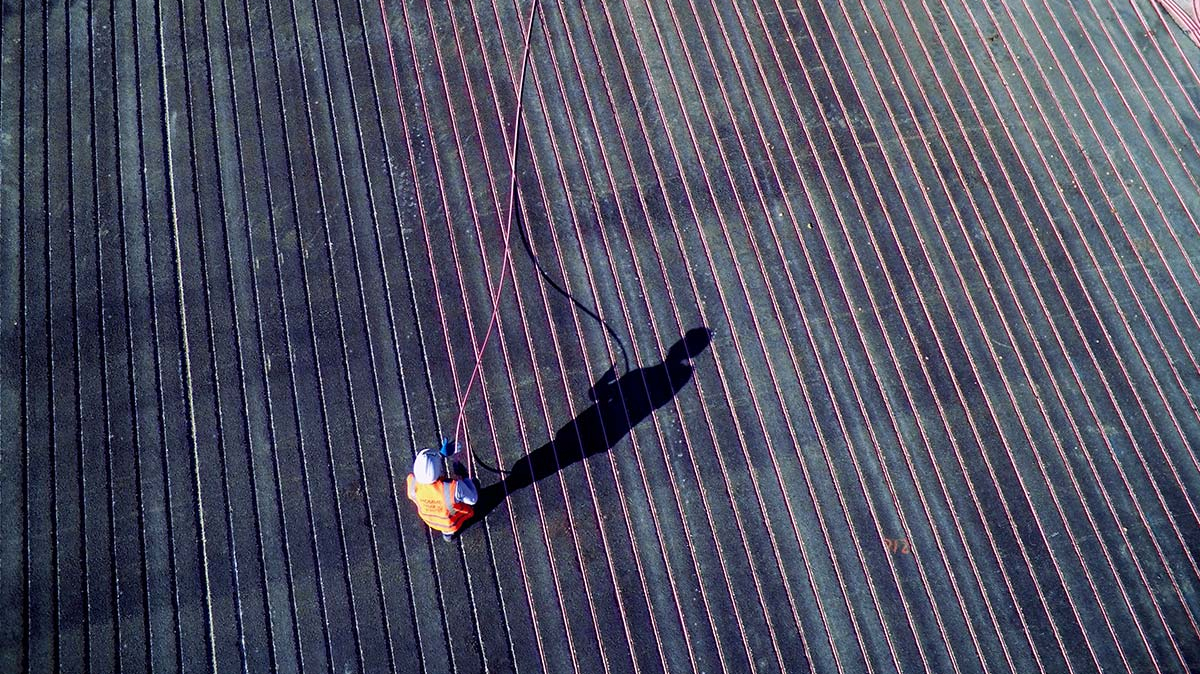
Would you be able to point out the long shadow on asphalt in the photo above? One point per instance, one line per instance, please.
(620, 404)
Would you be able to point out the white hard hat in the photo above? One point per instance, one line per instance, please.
(427, 467)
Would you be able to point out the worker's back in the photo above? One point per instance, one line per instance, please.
(437, 505)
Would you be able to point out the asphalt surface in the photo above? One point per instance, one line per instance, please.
(880, 353)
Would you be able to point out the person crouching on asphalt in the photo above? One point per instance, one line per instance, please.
(445, 503)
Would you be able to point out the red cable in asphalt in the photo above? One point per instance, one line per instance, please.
(508, 219)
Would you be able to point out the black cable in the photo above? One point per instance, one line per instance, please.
(528, 245)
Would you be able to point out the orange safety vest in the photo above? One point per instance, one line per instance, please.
(436, 504)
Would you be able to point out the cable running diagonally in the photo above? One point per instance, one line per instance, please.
(508, 220)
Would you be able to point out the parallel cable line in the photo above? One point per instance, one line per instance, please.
(77, 406)
(921, 425)
(242, 388)
(767, 617)
(825, 443)
(11, 237)
(637, 447)
(156, 357)
(264, 357)
(52, 441)
(912, 220)
(910, 396)
(278, 269)
(214, 374)
(428, 248)
(134, 444)
(724, 304)
(1161, 298)
(920, 494)
(127, 313)
(1137, 507)
(302, 255)
(928, 314)
(160, 402)
(1112, 451)
(1095, 592)
(1134, 204)
(492, 188)
(241, 397)
(1051, 427)
(76, 346)
(979, 439)
(778, 180)
(878, 377)
(593, 286)
(478, 221)
(186, 378)
(675, 312)
(387, 289)
(910, 212)
(457, 261)
(678, 320)
(1179, 123)
(23, 345)
(553, 329)
(416, 317)
(1164, 131)
(789, 350)
(323, 406)
(1180, 86)
(1123, 144)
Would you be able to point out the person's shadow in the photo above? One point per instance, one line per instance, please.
(620, 404)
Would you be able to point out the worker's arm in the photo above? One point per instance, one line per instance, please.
(466, 492)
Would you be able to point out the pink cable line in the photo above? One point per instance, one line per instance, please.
(825, 179)
(575, 217)
(762, 268)
(879, 377)
(624, 218)
(1121, 413)
(557, 582)
(674, 83)
(425, 230)
(1153, 540)
(671, 296)
(1053, 383)
(1187, 14)
(941, 292)
(908, 263)
(512, 197)
(861, 206)
(1162, 300)
(942, 133)
(552, 329)
(512, 204)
